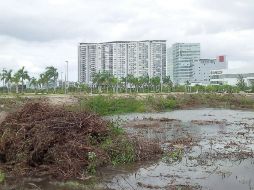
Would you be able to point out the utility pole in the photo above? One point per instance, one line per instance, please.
(65, 82)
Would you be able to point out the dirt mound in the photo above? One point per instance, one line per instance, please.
(43, 139)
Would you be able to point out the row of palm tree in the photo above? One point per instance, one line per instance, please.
(8, 77)
(130, 82)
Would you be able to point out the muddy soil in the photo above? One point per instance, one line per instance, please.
(3, 115)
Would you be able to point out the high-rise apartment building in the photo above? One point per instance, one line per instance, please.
(180, 58)
(120, 58)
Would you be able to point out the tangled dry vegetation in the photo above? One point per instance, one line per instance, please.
(40, 139)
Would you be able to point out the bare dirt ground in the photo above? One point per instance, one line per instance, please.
(3, 115)
(62, 100)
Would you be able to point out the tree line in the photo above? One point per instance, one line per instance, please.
(18, 78)
(105, 82)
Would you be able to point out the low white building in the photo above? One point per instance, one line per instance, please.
(201, 69)
(220, 77)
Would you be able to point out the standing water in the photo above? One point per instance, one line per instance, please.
(212, 149)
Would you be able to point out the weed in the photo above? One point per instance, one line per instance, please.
(2, 176)
(91, 168)
(173, 156)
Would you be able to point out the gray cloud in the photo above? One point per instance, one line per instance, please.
(46, 32)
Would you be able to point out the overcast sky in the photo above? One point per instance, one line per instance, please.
(40, 33)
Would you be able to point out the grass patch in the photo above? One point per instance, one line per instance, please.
(111, 105)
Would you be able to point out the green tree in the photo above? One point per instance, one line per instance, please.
(3, 76)
(43, 81)
(155, 81)
(241, 83)
(52, 75)
(107, 78)
(167, 81)
(147, 82)
(23, 75)
(130, 81)
(252, 86)
(124, 81)
(97, 80)
(8, 79)
(141, 82)
(34, 83)
(114, 82)
(16, 79)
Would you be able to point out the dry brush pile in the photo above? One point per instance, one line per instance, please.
(40, 139)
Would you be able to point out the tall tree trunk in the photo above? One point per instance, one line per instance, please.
(8, 87)
(17, 88)
(55, 85)
(22, 86)
(3, 85)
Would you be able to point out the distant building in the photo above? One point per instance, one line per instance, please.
(120, 58)
(170, 70)
(223, 77)
(180, 59)
(201, 69)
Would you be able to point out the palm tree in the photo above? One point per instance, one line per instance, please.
(97, 80)
(16, 80)
(141, 82)
(34, 83)
(188, 87)
(124, 81)
(114, 83)
(167, 81)
(52, 74)
(44, 79)
(155, 81)
(106, 79)
(40, 81)
(3, 77)
(135, 83)
(241, 83)
(130, 80)
(8, 79)
(23, 75)
(147, 81)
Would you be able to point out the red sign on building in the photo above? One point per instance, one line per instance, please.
(221, 58)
